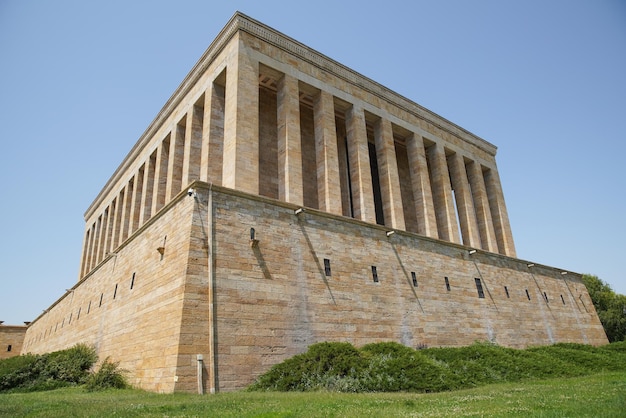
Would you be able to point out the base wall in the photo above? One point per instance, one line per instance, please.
(275, 299)
(255, 304)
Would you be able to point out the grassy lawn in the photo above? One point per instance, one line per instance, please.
(599, 395)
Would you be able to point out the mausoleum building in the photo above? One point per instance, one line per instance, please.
(280, 199)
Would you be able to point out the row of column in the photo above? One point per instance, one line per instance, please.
(218, 141)
(175, 162)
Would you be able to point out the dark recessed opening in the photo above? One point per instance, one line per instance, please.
(527, 294)
(327, 266)
(506, 290)
(414, 277)
(447, 284)
(132, 281)
(479, 288)
(374, 274)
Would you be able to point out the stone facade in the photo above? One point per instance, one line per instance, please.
(11, 340)
(281, 199)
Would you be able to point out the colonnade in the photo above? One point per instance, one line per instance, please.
(259, 130)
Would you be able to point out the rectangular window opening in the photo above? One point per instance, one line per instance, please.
(132, 282)
(506, 290)
(70, 321)
(527, 294)
(89, 307)
(101, 296)
(562, 300)
(374, 274)
(78, 315)
(10, 347)
(545, 296)
(479, 288)
(447, 284)
(115, 291)
(327, 267)
(414, 277)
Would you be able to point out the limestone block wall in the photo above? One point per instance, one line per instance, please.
(317, 277)
(11, 340)
(192, 281)
(133, 307)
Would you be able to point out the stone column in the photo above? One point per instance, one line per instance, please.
(360, 170)
(241, 126)
(92, 242)
(290, 186)
(388, 173)
(420, 184)
(481, 205)
(104, 227)
(464, 202)
(499, 214)
(212, 135)
(148, 189)
(118, 219)
(83, 264)
(128, 199)
(192, 153)
(96, 244)
(328, 186)
(108, 243)
(442, 195)
(175, 163)
(161, 175)
(135, 210)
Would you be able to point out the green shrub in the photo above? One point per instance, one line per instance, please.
(108, 376)
(392, 367)
(71, 365)
(321, 367)
(17, 371)
(47, 371)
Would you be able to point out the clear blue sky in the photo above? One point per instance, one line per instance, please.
(545, 81)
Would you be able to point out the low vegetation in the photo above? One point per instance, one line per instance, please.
(391, 367)
(598, 395)
(71, 367)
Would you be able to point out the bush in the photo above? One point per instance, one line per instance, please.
(17, 371)
(34, 372)
(321, 367)
(392, 367)
(108, 376)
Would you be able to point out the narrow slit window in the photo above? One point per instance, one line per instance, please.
(447, 284)
(562, 300)
(327, 267)
(115, 291)
(78, 315)
(89, 307)
(10, 347)
(414, 277)
(527, 294)
(374, 274)
(101, 296)
(70, 321)
(479, 288)
(545, 296)
(506, 290)
(132, 282)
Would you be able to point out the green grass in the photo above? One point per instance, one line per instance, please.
(597, 395)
